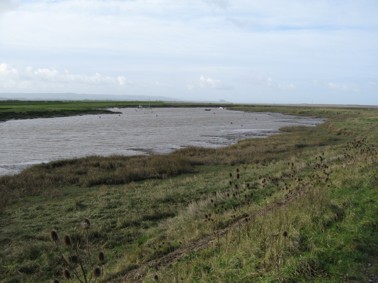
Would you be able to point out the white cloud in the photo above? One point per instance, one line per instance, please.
(7, 71)
(207, 82)
(267, 81)
(287, 86)
(218, 3)
(48, 77)
(45, 74)
(342, 87)
(121, 80)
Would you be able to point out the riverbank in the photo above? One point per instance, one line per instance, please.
(298, 206)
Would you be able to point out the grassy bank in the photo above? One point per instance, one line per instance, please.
(297, 207)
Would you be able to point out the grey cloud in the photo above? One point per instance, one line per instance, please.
(7, 5)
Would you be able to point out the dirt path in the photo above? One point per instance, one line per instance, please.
(137, 275)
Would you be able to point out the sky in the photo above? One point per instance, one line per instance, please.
(248, 51)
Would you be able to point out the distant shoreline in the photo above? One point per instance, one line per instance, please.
(23, 109)
(17, 109)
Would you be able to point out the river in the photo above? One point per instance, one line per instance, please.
(132, 132)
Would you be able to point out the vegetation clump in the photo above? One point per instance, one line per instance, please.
(76, 256)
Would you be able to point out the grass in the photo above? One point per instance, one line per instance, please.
(328, 234)
(296, 207)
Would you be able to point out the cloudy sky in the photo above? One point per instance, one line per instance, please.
(256, 51)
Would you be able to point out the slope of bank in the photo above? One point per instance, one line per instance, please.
(300, 206)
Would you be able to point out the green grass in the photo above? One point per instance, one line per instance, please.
(303, 209)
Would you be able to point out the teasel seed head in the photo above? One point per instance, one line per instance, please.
(97, 272)
(101, 257)
(67, 241)
(74, 259)
(54, 236)
(67, 274)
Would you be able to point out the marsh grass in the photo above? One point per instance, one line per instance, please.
(90, 172)
(297, 207)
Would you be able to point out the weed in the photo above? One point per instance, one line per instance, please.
(76, 256)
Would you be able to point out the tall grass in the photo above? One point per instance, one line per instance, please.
(89, 172)
(326, 233)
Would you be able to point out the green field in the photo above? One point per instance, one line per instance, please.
(301, 206)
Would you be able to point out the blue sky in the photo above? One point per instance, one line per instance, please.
(271, 51)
